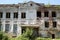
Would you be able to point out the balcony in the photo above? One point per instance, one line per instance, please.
(30, 22)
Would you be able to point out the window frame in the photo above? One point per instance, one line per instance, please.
(23, 15)
(54, 14)
(15, 15)
(7, 28)
(1, 14)
(46, 24)
(46, 13)
(8, 15)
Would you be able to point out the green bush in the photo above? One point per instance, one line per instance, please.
(21, 38)
(3, 36)
(39, 38)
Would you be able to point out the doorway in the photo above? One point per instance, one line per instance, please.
(53, 36)
(35, 31)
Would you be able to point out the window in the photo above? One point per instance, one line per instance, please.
(1, 14)
(23, 15)
(46, 24)
(23, 29)
(7, 28)
(30, 4)
(0, 27)
(15, 14)
(53, 14)
(46, 14)
(54, 24)
(15, 29)
(39, 14)
(8, 15)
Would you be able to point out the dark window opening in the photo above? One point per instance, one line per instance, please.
(8, 15)
(15, 14)
(0, 27)
(1, 14)
(46, 24)
(46, 14)
(35, 32)
(54, 24)
(53, 14)
(23, 29)
(23, 15)
(53, 36)
(39, 14)
(30, 4)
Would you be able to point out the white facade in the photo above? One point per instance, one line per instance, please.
(30, 9)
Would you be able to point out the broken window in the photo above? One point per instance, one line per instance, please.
(30, 4)
(8, 15)
(15, 14)
(23, 15)
(53, 14)
(0, 27)
(1, 14)
(46, 24)
(39, 14)
(23, 29)
(54, 24)
(46, 14)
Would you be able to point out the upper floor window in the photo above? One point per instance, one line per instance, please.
(46, 14)
(7, 14)
(54, 24)
(1, 14)
(31, 5)
(53, 14)
(39, 14)
(23, 15)
(46, 24)
(15, 14)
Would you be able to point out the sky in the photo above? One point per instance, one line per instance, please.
(53, 2)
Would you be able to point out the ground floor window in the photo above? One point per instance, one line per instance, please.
(7, 28)
(0, 27)
(15, 29)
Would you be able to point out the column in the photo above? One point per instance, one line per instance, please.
(19, 29)
(3, 24)
(19, 13)
(12, 15)
(50, 21)
(11, 30)
(42, 14)
(4, 15)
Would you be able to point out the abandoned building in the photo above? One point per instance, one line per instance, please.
(44, 19)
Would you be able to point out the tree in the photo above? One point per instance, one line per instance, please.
(27, 35)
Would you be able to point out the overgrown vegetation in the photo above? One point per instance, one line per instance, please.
(3, 36)
(27, 35)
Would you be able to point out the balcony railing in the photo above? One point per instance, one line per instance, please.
(30, 22)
